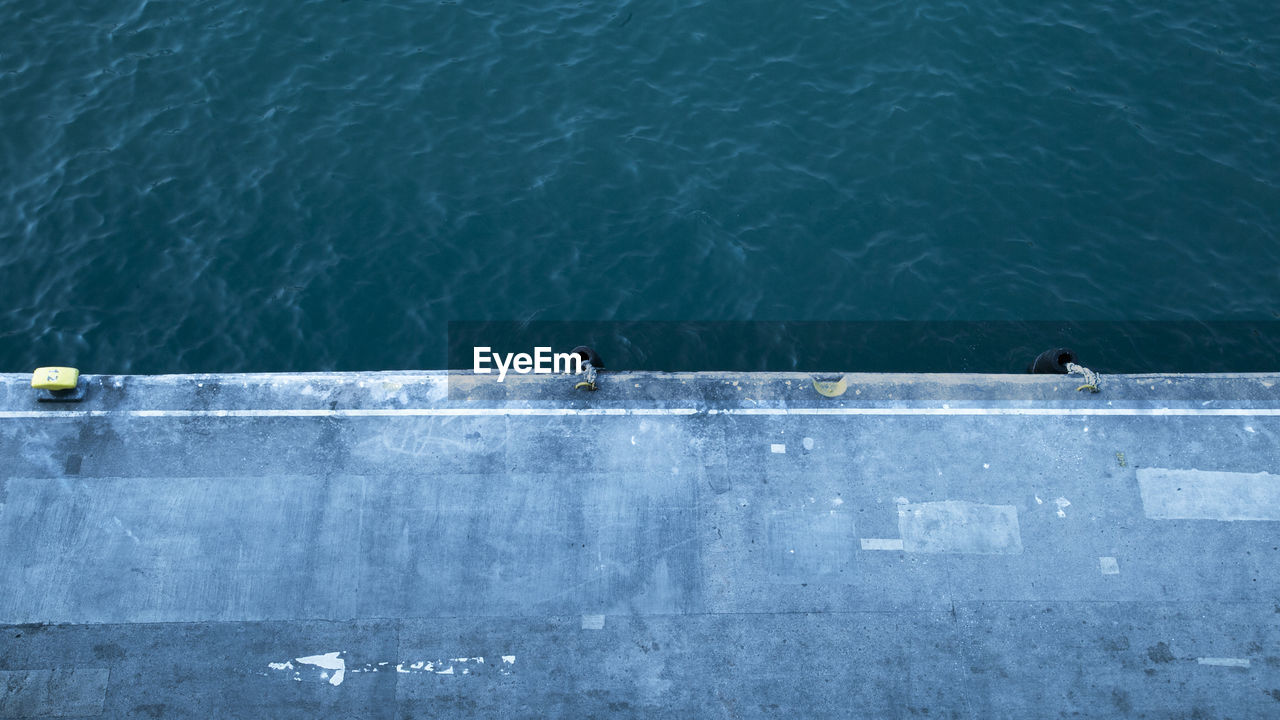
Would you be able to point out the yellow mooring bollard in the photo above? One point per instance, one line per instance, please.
(55, 378)
(57, 384)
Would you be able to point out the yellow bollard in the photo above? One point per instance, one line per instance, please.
(55, 378)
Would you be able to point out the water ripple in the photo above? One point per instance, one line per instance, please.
(216, 185)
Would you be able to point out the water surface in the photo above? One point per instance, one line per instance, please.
(236, 186)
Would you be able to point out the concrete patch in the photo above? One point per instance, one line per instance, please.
(52, 693)
(808, 543)
(1108, 566)
(592, 622)
(1208, 495)
(955, 526)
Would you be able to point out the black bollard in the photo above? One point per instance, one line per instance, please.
(589, 355)
(1052, 362)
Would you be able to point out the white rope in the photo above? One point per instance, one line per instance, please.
(589, 370)
(1092, 380)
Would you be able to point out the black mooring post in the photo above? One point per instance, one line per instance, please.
(1052, 362)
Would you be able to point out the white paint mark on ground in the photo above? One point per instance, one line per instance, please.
(1062, 504)
(837, 502)
(779, 448)
(627, 412)
(592, 622)
(128, 533)
(881, 544)
(471, 666)
(1108, 566)
(955, 526)
(808, 443)
(1224, 662)
(328, 661)
(509, 659)
(353, 413)
(1208, 495)
(1015, 411)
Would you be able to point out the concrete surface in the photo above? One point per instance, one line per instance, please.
(416, 545)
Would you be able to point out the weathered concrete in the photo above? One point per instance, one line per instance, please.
(688, 545)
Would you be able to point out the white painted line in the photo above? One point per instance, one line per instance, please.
(355, 413)
(592, 622)
(778, 448)
(1225, 662)
(628, 412)
(1108, 566)
(881, 544)
(1155, 412)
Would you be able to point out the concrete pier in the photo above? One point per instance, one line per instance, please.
(419, 545)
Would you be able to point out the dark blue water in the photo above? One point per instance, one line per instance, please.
(227, 186)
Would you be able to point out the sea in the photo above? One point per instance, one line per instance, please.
(226, 185)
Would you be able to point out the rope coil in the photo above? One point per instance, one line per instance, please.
(590, 383)
(1091, 379)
